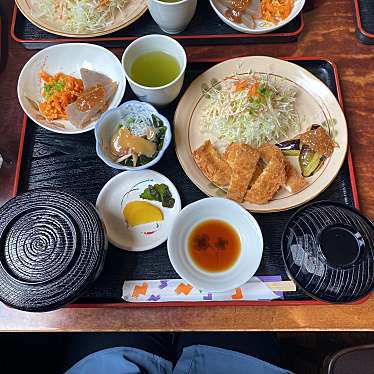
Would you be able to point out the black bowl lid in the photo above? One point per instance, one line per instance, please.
(52, 248)
(328, 250)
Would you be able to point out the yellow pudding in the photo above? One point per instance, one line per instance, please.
(140, 212)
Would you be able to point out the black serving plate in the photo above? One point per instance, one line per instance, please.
(70, 163)
(205, 28)
(364, 15)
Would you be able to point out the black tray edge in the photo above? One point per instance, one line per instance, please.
(362, 35)
(196, 40)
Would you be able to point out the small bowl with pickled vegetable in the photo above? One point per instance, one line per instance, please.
(133, 136)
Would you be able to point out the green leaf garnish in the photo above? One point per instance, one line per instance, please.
(51, 88)
(159, 192)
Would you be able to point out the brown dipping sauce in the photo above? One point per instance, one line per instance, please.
(237, 9)
(90, 98)
(214, 246)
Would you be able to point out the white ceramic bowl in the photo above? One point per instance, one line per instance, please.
(298, 6)
(67, 58)
(108, 124)
(250, 238)
(158, 96)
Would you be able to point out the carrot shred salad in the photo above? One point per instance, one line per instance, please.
(59, 91)
(276, 10)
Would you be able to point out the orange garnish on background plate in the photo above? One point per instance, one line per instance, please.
(276, 10)
(240, 86)
(253, 90)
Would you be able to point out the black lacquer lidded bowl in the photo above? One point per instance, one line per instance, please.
(328, 250)
(52, 248)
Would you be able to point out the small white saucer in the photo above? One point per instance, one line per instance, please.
(126, 187)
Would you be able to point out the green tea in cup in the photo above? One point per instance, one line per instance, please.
(155, 69)
(154, 66)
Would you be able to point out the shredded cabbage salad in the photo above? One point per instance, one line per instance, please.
(254, 109)
(78, 16)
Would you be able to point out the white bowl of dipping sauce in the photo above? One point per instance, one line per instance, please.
(210, 259)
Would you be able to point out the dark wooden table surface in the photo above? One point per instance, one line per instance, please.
(330, 33)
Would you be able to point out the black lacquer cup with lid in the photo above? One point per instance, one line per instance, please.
(328, 250)
(52, 248)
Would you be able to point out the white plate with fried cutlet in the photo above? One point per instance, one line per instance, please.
(261, 131)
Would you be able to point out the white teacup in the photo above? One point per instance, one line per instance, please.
(172, 18)
(158, 96)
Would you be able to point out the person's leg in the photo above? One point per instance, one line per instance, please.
(264, 346)
(80, 345)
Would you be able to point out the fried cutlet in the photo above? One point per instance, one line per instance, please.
(243, 160)
(269, 151)
(268, 183)
(259, 169)
(295, 182)
(212, 164)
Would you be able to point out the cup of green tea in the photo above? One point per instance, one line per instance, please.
(172, 16)
(154, 66)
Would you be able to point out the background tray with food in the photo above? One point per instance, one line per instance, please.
(205, 28)
(47, 159)
(364, 16)
(1, 42)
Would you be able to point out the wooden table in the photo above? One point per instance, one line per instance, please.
(330, 33)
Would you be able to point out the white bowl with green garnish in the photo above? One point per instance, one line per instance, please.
(133, 136)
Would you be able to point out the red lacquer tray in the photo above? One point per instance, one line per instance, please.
(43, 158)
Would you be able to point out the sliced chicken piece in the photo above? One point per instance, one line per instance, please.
(243, 160)
(248, 21)
(229, 9)
(254, 9)
(268, 183)
(92, 78)
(80, 118)
(212, 164)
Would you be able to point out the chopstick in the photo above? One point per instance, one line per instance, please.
(282, 286)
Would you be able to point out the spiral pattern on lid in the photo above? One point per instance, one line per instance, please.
(52, 247)
(337, 270)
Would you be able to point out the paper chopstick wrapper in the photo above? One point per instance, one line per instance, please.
(177, 290)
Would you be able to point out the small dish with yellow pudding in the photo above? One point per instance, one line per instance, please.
(138, 209)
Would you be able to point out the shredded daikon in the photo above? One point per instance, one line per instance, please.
(254, 109)
(78, 16)
(138, 124)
